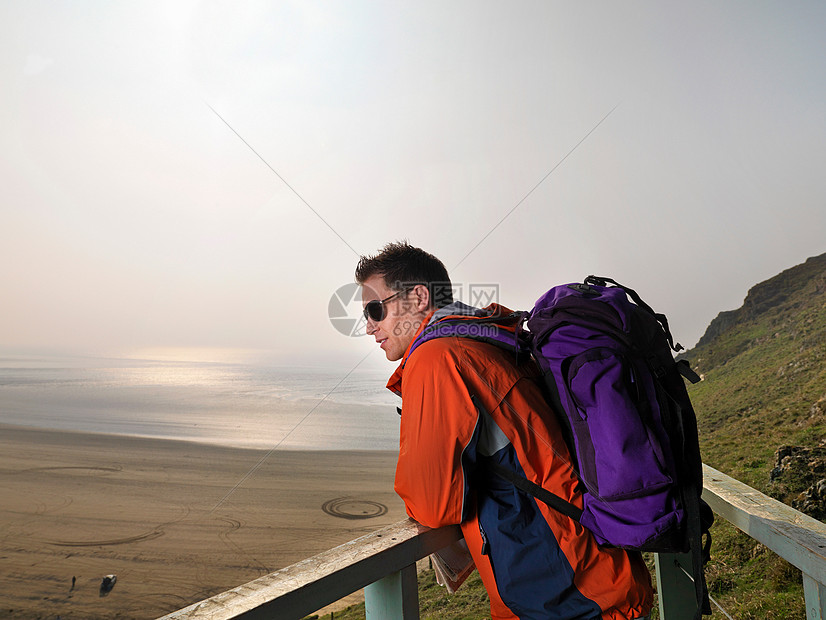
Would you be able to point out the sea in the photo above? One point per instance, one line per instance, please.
(235, 404)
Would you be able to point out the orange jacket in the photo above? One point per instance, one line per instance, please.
(464, 401)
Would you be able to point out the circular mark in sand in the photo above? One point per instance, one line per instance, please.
(353, 508)
(78, 469)
(102, 543)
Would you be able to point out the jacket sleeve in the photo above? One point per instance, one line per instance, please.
(437, 446)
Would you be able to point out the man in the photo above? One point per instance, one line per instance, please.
(464, 403)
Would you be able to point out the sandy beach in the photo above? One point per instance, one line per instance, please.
(175, 521)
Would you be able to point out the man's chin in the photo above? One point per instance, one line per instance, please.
(392, 356)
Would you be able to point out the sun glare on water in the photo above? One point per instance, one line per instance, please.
(202, 355)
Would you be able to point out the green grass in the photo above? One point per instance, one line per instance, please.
(749, 581)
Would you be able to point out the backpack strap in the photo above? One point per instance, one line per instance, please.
(600, 281)
(503, 331)
(695, 527)
(553, 500)
(698, 551)
(531, 488)
(684, 368)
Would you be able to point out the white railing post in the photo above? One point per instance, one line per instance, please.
(675, 589)
(395, 597)
(815, 593)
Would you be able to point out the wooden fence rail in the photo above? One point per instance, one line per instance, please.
(384, 564)
(794, 536)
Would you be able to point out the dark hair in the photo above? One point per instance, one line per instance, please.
(401, 264)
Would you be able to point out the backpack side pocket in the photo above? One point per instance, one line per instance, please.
(609, 428)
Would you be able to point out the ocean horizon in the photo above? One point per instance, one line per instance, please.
(233, 404)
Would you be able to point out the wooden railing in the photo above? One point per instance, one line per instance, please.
(794, 536)
(384, 564)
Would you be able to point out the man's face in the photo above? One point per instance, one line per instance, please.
(403, 316)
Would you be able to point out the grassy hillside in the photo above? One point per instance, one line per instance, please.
(764, 375)
(764, 386)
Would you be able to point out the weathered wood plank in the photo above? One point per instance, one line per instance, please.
(798, 538)
(302, 588)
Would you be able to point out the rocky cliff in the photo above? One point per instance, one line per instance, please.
(761, 407)
(771, 295)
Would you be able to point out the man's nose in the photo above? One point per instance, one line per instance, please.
(371, 327)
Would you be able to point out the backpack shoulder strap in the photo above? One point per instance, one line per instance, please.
(661, 318)
(531, 488)
(502, 331)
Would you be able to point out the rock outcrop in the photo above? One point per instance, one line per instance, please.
(799, 478)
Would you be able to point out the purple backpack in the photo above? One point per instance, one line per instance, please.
(606, 358)
(609, 371)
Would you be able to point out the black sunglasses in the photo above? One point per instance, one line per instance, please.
(375, 309)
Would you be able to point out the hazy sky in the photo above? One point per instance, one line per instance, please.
(134, 217)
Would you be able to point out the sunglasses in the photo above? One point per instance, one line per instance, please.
(375, 309)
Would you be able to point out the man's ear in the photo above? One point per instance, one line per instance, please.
(422, 294)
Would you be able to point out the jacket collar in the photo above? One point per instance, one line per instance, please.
(457, 308)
